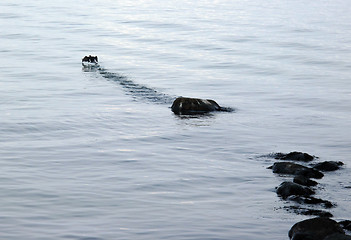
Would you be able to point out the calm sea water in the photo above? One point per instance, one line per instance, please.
(94, 155)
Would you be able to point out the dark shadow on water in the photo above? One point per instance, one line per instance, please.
(137, 90)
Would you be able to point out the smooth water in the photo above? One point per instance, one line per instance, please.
(98, 155)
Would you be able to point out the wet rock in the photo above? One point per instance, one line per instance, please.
(337, 236)
(294, 156)
(184, 105)
(346, 224)
(295, 169)
(309, 212)
(302, 236)
(314, 229)
(305, 181)
(311, 200)
(287, 189)
(328, 166)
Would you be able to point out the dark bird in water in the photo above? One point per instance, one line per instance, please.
(89, 61)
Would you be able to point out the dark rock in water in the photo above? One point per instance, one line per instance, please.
(302, 180)
(337, 236)
(311, 200)
(302, 236)
(183, 105)
(310, 212)
(314, 229)
(310, 173)
(295, 169)
(294, 156)
(287, 189)
(328, 166)
(346, 224)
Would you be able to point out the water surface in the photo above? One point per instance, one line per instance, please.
(84, 157)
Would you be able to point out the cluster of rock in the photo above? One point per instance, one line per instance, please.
(301, 189)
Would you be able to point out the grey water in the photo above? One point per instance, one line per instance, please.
(99, 154)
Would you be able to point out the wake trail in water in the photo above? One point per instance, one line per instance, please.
(137, 91)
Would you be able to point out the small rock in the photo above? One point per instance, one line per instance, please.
(287, 189)
(314, 229)
(302, 180)
(328, 166)
(295, 169)
(294, 156)
(337, 236)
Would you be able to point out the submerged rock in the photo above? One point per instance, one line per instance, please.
(317, 212)
(184, 105)
(295, 169)
(328, 166)
(287, 189)
(311, 200)
(305, 181)
(314, 229)
(310, 212)
(294, 156)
